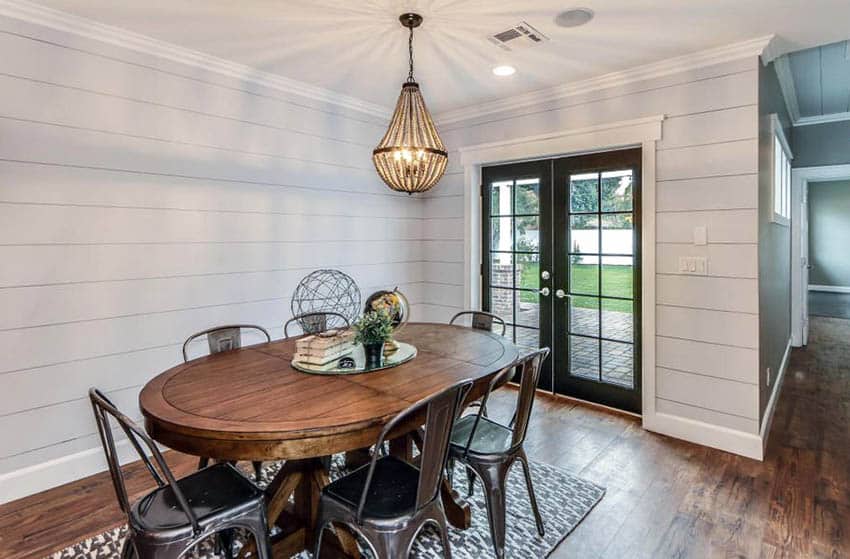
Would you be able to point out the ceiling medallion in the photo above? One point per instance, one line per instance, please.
(411, 157)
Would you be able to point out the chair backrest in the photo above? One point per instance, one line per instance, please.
(530, 367)
(441, 410)
(104, 409)
(482, 320)
(223, 338)
(315, 322)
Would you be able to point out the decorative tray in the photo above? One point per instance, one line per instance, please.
(403, 354)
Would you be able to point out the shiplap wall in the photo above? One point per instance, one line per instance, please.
(707, 171)
(142, 200)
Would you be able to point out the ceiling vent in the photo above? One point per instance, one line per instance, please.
(520, 36)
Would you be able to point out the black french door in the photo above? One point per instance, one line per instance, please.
(561, 264)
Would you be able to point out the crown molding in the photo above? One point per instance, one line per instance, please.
(718, 55)
(68, 23)
(822, 119)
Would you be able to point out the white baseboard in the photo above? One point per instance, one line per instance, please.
(767, 420)
(830, 288)
(706, 434)
(40, 477)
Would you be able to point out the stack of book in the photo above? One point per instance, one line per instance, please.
(320, 349)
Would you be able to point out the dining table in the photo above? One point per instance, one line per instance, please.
(251, 404)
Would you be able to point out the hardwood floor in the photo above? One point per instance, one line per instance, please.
(666, 498)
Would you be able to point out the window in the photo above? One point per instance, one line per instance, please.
(781, 174)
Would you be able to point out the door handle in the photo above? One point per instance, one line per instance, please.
(560, 294)
(544, 292)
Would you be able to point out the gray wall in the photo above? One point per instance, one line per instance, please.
(822, 144)
(829, 233)
(774, 245)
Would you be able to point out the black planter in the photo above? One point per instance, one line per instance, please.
(374, 355)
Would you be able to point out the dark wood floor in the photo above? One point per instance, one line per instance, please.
(823, 303)
(665, 499)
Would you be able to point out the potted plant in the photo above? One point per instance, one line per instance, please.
(373, 329)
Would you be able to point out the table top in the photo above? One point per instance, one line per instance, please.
(251, 404)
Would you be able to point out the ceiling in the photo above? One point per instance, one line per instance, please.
(821, 78)
(357, 47)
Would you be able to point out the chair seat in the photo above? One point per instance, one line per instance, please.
(210, 492)
(392, 493)
(490, 437)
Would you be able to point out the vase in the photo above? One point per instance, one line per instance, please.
(374, 355)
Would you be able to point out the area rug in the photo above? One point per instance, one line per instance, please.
(564, 501)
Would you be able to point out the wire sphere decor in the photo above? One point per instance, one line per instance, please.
(326, 291)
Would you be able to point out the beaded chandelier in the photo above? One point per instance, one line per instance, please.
(411, 157)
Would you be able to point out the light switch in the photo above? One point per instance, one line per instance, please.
(694, 265)
(700, 235)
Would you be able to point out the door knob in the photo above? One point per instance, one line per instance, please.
(560, 294)
(545, 291)
(544, 274)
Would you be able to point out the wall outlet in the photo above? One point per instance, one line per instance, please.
(694, 265)
(767, 380)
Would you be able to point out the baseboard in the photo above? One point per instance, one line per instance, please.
(40, 477)
(767, 420)
(830, 288)
(706, 434)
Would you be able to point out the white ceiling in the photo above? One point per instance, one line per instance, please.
(357, 47)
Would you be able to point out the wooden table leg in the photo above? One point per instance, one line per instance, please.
(458, 512)
(402, 448)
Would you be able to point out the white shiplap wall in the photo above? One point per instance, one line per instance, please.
(142, 200)
(707, 174)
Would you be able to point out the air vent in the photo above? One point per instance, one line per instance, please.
(520, 36)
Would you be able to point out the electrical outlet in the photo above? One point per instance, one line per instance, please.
(694, 265)
(767, 380)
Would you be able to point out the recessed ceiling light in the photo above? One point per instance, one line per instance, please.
(574, 17)
(503, 71)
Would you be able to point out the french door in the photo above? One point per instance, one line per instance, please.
(561, 264)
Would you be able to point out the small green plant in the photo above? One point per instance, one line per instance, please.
(375, 327)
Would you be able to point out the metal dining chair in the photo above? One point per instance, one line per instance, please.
(389, 500)
(225, 338)
(482, 320)
(172, 519)
(315, 322)
(489, 449)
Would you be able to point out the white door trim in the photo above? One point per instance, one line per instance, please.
(800, 179)
(643, 133)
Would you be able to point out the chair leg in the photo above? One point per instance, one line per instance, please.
(320, 531)
(128, 551)
(527, 471)
(225, 540)
(493, 477)
(444, 535)
(450, 471)
(470, 481)
(258, 470)
(389, 545)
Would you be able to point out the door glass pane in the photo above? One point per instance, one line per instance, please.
(584, 315)
(528, 272)
(617, 320)
(502, 269)
(617, 234)
(584, 274)
(617, 363)
(502, 303)
(584, 193)
(527, 196)
(617, 276)
(527, 307)
(527, 233)
(584, 357)
(501, 234)
(527, 337)
(500, 198)
(584, 234)
(617, 191)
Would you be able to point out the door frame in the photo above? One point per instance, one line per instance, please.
(800, 179)
(641, 133)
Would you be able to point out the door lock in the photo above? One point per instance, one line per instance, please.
(544, 291)
(560, 294)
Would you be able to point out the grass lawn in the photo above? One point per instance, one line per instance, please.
(617, 282)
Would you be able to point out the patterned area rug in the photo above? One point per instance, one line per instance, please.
(564, 500)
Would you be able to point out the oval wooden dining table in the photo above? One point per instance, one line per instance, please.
(251, 404)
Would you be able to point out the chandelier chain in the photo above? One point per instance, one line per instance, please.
(410, 56)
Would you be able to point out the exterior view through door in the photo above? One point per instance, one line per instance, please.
(561, 265)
